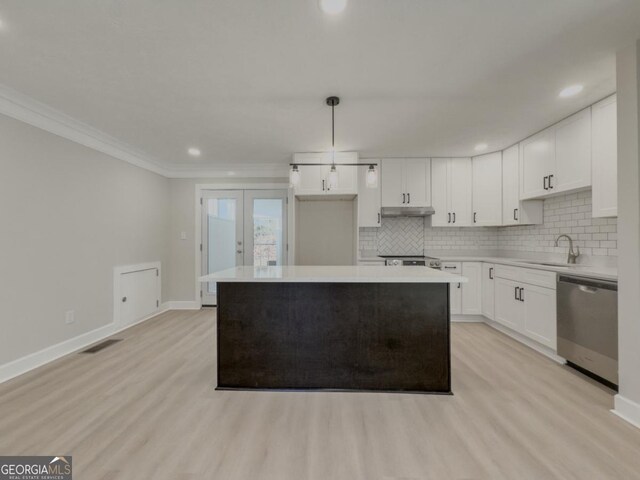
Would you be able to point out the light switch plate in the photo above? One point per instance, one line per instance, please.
(183, 235)
(69, 317)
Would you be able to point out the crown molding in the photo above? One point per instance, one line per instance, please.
(21, 107)
(244, 170)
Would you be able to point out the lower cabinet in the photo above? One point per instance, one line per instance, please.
(488, 290)
(527, 309)
(465, 298)
(455, 289)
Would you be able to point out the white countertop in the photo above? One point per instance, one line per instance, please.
(334, 274)
(589, 271)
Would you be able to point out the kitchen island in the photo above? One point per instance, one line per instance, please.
(370, 328)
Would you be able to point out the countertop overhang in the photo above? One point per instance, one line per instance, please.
(334, 274)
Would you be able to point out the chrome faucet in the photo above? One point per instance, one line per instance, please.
(572, 255)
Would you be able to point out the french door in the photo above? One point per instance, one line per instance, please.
(242, 227)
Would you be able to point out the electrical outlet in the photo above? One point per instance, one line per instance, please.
(69, 317)
(183, 235)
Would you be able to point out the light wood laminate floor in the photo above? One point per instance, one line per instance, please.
(145, 408)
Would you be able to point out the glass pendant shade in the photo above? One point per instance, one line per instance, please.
(333, 178)
(294, 175)
(372, 177)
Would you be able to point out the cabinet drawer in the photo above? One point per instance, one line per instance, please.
(541, 278)
(510, 273)
(452, 267)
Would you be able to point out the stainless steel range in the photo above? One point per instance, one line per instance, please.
(419, 261)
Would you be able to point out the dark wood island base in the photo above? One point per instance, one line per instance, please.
(392, 337)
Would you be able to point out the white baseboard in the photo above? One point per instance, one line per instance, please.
(627, 410)
(37, 359)
(546, 351)
(467, 318)
(183, 305)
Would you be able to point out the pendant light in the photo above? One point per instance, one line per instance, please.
(294, 176)
(372, 177)
(333, 173)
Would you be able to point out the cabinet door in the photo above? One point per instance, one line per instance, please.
(487, 189)
(573, 153)
(509, 311)
(605, 158)
(488, 286)
(460, 187)
(540, 314)
(510, 186)
(415, 182)
(368, 200)
(537, 161)
(392, 182)
(439, 190)
(472, 290)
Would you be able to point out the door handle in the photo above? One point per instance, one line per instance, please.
(544, 183)
(408, 198)
(521, 296)
(491, 273)
(550, 177)
(404, 200)
(515, 214)
(454, 217)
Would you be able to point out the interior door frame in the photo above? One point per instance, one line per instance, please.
(249, 196)
(197, 302)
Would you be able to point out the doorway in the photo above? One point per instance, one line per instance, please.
(242, 228)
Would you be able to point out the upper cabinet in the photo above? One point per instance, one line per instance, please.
(605, 158)
(557, 159)
(406, 182)
(515, 211)
(314, 180)
(487, 189)
(368, 198)
(451, 180)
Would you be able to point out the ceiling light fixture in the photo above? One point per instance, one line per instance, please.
(332, 178)
(194, 152)
(571, 91)
(332, 7)
(481, 147)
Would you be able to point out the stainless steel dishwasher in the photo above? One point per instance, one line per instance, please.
(588, 325)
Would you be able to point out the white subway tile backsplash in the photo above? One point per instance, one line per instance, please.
(570, 214)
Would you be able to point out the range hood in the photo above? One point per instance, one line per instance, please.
(407, 211)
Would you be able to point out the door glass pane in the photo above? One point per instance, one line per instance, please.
(268, 238)
(221, 222)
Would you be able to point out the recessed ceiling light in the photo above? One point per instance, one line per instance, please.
(571, 91)
(481, 147)
(194, 152)
(332, 7)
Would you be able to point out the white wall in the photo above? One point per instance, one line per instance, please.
(628, 78)
(69, 215)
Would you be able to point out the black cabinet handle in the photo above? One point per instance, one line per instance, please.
(550, 177)
(408, 198)
(450, 268)
(458, 285)
(454, 217)
(449, 220)
(544, 183)
(515, 214)
(521, 292)
(404, 200)
(323, 185)
(475, 214)
(491, 273)
(516, 293)
(378, 218)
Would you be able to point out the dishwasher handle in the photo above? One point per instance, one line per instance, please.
(590, 285)
(587, 289)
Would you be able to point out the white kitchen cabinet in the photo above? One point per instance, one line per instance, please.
(314, 179)
(451, 181)
(558, 159)
(368, 199)
(514, 210)
(487, 189)
(488, 289)
(508, 309)
(605, 157)
(406, 182)
(573, 153)
(472, 290)
(455, 289)
(539, 314)
(537, 162)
